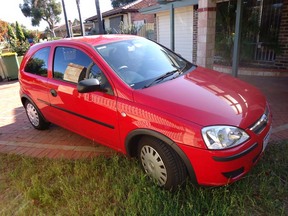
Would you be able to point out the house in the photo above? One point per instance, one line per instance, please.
(189, 27)
(119, 19)
(61, 31)
(179, 35)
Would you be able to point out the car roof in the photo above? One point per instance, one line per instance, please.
(95, 40)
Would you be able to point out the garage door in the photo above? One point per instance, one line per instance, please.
(163, 29)
(183, 30)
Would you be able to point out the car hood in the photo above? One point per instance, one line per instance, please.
(206, 97)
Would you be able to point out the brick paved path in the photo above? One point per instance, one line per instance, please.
(18, 136)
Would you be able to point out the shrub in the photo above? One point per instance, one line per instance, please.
(19, 47)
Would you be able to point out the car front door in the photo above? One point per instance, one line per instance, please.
(93, 114)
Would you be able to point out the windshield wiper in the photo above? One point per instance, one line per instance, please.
(162, 77)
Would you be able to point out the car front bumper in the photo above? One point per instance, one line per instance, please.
(221, 167)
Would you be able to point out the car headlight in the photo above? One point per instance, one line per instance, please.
(222, 137)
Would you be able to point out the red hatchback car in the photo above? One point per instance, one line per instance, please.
(143, 100)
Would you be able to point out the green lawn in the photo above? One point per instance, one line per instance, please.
(117, 186)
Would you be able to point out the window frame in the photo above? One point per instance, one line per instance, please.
(91, 60)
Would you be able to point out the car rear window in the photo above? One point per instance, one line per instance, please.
(38, 63)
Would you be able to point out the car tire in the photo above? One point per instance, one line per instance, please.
(35, 117)
(161, 163)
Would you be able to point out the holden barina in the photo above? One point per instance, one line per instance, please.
(143, 100)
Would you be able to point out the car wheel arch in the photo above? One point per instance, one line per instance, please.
(25, 98)
(134, 136)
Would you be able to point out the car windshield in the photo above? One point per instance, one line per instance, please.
(142, 63)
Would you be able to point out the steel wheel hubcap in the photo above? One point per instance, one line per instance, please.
(153, 164)
(32, 114)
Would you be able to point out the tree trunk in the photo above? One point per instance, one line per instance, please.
(99, 17)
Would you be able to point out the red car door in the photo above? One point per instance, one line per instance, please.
(33, 78)
(92, 115)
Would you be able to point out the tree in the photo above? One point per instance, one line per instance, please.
(3, 29)
(99, 17)
(80, 18)
(26, 31)
(120, 3)
(17, 44)
(11, 33)
(47, 10)
(19, 33)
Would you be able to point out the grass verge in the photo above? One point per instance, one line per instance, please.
(117, 186)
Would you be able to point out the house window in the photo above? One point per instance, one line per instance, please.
(270, 20)
(115, 24)
(260, 29)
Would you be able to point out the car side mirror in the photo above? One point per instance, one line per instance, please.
(89, 85)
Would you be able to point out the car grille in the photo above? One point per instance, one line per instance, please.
(258, 126)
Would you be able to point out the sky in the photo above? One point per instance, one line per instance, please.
(10, 11)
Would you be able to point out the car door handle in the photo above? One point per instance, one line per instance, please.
(53, 92)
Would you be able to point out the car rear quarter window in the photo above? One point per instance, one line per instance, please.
(38, 63)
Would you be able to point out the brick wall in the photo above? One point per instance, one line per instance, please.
(206, 32)
(281, 61)
(149, 18)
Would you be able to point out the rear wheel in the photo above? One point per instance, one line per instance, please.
(161, 162)
(35, 117)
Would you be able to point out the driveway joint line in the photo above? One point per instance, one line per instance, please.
(54, 147)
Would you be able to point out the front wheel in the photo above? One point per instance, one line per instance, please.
(35, 117)
(161, 162)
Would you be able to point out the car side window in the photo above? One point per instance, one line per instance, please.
(38, 63)
(73, 65)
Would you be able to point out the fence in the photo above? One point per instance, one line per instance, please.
(146, 30)
(263, 52)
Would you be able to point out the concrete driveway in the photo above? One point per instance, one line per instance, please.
(19, 137)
